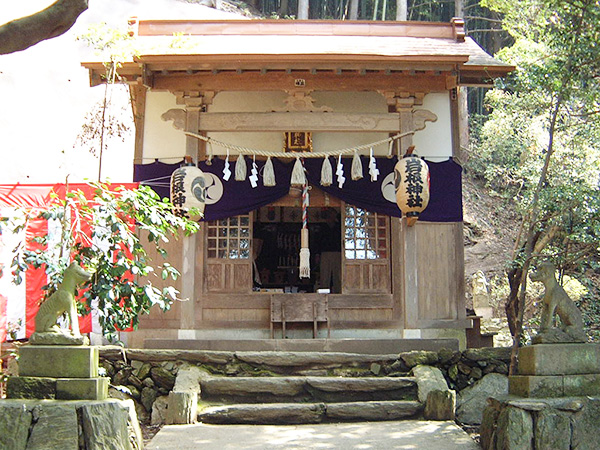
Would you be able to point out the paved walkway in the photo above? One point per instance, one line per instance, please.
(408, 435)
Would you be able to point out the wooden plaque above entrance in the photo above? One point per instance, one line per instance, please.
(298, 141)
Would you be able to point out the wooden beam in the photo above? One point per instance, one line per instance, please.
(282, 81)
(299, 121)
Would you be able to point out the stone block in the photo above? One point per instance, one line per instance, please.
(182, 408)
(429, 379)
(69, 425)
(471, 401)
(559, 359)
(488, 425)
(58, 361)
(440, 405)
(542, 424)
(275, 414)
(515, 430)
(580, 385)
(552, 430)
(82, 388)
(159, 410)
(15, 421)
(31, 387)
(105, 426)
(372, 411)
(536, 386)
(56, 428)
(554, 386)
(586, 426)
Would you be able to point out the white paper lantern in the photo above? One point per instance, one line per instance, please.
(188, 192)
(412, 187)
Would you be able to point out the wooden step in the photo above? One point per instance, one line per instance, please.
(310, 413)
(306, 389)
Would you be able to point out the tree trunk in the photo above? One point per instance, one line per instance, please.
(459, 8)
(375, 8)
(283, 8)
(353, 9)
(517, 276)
(401, 10)
(302, 9)
(53, 21)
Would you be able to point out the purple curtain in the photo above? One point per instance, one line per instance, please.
(230, 198)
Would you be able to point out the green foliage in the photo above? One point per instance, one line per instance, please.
(114, 46)
(556, 76)
(111, 234)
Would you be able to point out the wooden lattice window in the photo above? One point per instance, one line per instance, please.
(230, 238)
(365, 234)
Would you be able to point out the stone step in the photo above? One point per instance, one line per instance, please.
(310, 413)
(306, 389)
(348, 345)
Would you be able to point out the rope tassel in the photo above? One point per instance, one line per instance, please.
(357, 168)
(298, 177)
(240, 168)
(304, 262)
(326, 173)
(269, 173)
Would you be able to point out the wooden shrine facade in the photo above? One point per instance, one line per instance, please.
(230, 86)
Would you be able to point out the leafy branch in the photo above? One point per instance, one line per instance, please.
(112, 234)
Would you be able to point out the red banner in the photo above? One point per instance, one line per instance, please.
(38, 197)
(3, 321)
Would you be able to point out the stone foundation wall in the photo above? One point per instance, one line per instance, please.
(541, 424)
(68, 425)
(147, 376)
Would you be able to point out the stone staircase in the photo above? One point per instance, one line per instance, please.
(303, 388)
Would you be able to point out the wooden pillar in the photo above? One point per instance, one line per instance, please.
(459, 118)
(397, 270)
(404, 106)
(138, 106)
(193, 253)
(408, 236)
(404, 262)
(194, 148)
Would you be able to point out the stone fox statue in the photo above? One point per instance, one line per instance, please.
(62, 301)
(556, 301)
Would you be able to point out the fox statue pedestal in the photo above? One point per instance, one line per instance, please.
(60, 372)
(557, 370)
(58, 401)
(554, 401)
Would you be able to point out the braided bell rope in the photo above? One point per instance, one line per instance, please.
(254, 151)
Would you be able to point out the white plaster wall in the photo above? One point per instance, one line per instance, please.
(247, 101)
(161, 140)
(435, 141)
(272, 101)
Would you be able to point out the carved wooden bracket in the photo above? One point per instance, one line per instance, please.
(420, 116)
(178, 116)
(403, 99)
(194, 98)
(301, 101)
